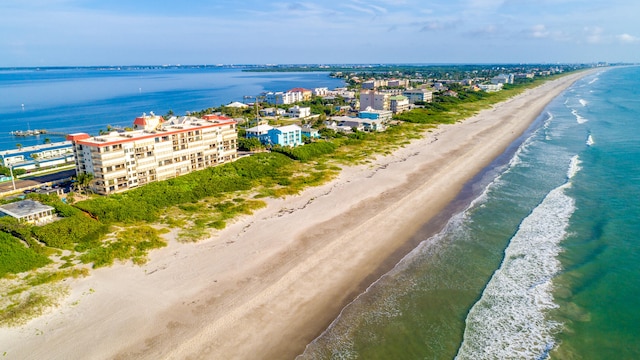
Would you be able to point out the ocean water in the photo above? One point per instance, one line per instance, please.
(544, 263)
(69, 100)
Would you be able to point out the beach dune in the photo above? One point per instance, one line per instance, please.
(270, 283)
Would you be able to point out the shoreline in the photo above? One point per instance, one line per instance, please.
(270, 283)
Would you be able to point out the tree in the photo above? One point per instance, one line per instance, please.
(19, 146)
(83, 181)
(249, 144)
(47, 141)
(35, 157)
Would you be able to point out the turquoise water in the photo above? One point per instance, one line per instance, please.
(71, 100)
(544, 263)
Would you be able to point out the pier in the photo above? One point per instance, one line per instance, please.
(36, 133)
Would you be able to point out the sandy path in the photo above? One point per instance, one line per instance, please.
(267, 285)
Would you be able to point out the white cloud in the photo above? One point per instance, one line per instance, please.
(539, 31)
(627, 39)
(594, 35)
(434, 26)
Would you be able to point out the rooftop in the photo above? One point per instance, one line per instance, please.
(172, 126)
(24, 208)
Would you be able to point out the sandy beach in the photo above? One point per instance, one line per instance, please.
(270, 283)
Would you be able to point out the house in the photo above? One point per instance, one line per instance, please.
(373, 125)
(149, 122)
(490, 87)
(439, 86)
(346, 123)
(159, 150)
(29, 211)
(299, 112)
(237, 105)
(282, 98)
(272, 112)
(343, 92)
(323, 91)
(369, 113)
(304, 94)
(290, 135)
(309, 132)
(502, 79)
(260, 132)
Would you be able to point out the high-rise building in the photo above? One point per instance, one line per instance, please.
(159, 150)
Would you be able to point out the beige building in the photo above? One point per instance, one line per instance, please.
(399, 104)
(159, 150)
(374, 100)
(418, 95)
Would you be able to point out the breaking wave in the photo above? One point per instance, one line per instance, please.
(509, 321)
(579, 119)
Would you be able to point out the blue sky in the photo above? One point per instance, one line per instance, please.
(119, 32)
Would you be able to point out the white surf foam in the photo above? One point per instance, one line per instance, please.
(574, 167)
(594, 80)
(590, 140)
(583, 102)
(579, 119)
(508, 322)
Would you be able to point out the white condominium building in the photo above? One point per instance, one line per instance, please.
(160, 150)
(374, 100)
(418, 95)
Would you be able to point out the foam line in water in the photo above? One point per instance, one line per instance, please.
(337, 337)
(579, 119)
(583, 102)
(574, 167)
(590, 140)
(509, 319)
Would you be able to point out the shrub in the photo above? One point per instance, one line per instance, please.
(309, 151)
(15, 257)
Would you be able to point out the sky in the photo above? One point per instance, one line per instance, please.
(162, 32)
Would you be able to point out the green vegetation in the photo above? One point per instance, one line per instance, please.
(7, 172)
(31, 295)
(132, 243)
(15, 257)
(251, 144)
(146, 203)
(309, 151)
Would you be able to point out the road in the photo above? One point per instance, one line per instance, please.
(37, 180)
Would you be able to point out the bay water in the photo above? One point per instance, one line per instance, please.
(543, 263)
(87, 99)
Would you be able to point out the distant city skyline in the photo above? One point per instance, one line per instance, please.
(91, 32)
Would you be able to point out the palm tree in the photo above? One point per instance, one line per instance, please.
(83, 181)
(19, 146)
(35, 157)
